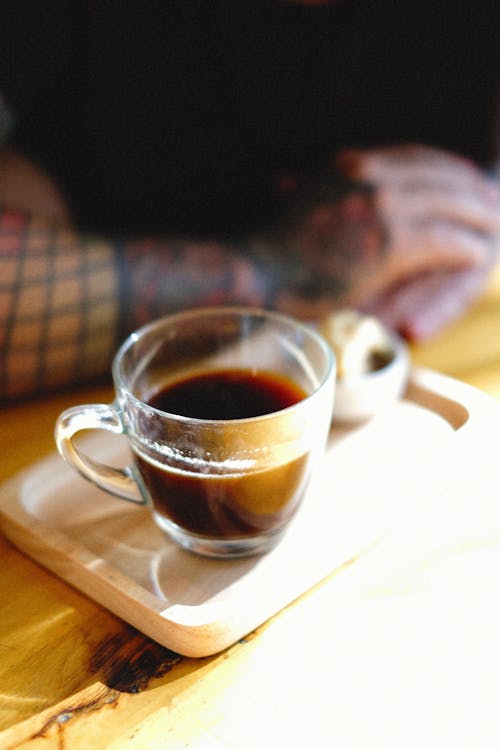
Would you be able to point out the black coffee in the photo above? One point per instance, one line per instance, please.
(237, 505)
(228, 394)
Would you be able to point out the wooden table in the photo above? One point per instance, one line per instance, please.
(407, 667)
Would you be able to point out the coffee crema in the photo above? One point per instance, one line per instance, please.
(226, 505)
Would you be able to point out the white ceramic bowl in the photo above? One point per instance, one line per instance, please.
(361, 396)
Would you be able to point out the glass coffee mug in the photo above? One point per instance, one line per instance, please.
(226, 411)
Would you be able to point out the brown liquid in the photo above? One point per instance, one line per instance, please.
(236, 505)
(228, 394)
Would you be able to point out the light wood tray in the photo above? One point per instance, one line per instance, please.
(374, 477)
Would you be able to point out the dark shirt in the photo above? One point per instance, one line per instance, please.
(180, 116)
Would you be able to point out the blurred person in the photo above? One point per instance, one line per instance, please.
(303, 156)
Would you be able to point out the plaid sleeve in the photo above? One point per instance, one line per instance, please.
(58, 307)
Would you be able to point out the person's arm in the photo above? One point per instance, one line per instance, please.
(58, 306)
(409, 230)
(442, 215)
(67, 301)
(410, 235)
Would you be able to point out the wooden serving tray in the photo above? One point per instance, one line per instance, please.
(375, 477)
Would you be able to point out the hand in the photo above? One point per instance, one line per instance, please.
(442, 220)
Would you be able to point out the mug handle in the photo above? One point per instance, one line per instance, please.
(120, 482)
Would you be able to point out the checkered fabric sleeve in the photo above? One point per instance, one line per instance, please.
(58, 308)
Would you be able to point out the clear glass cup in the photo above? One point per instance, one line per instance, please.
(226, 411)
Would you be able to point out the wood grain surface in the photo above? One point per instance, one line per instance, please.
(408, 651)
(114, 552)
